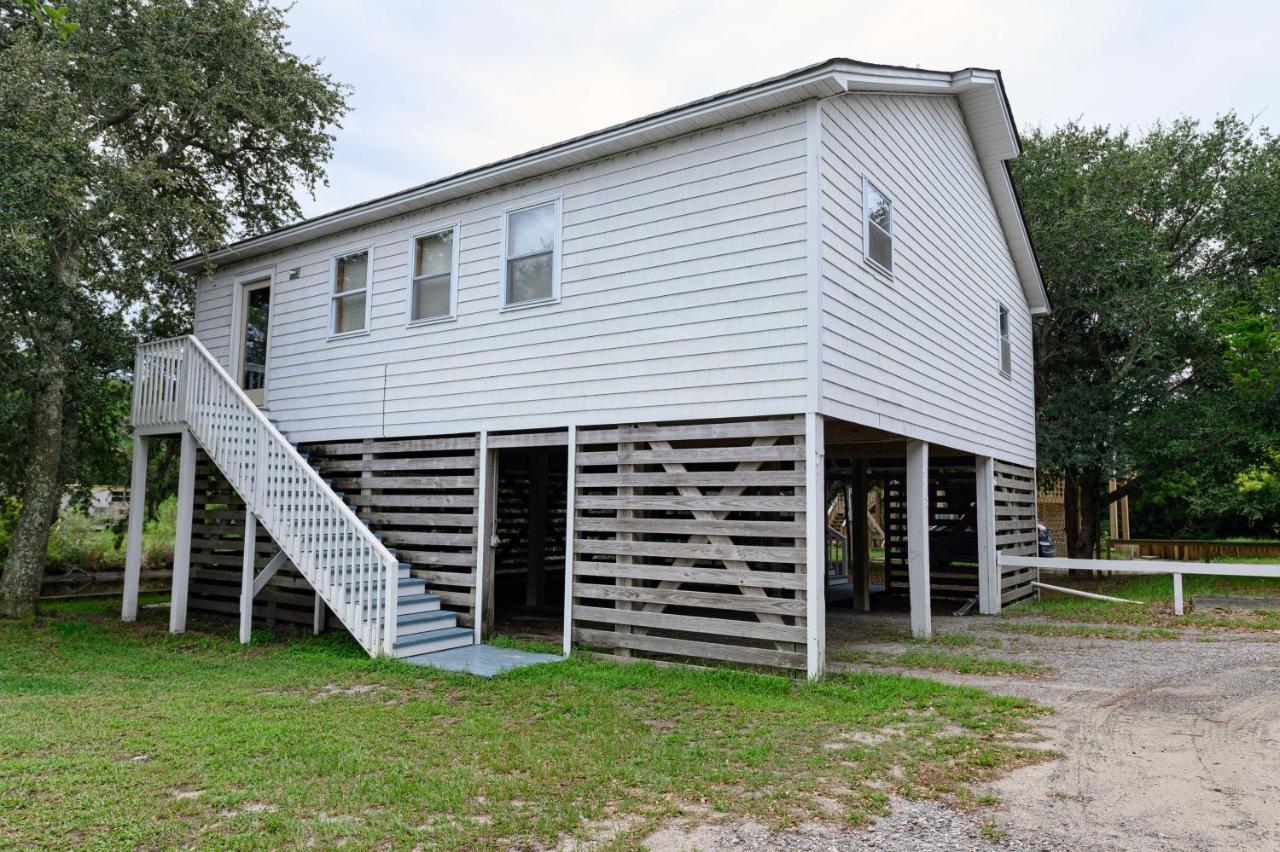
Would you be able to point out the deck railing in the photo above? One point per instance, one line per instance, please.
(179, 384)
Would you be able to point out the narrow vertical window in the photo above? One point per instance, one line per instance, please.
(530, 263)
(432, 285)
(877, 243)
(1006, 352)
(349, 303)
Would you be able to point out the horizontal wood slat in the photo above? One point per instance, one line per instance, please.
(691, 624)
(679, 550)
(713, 503)
(734, 601)
(695, 431)
(713, 479)
(689, 574)
(688, 648)
(671, 526)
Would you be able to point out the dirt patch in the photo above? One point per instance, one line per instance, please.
(911, 826)
(329, 690)
(1163, 743)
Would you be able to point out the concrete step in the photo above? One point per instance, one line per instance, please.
(436, 640)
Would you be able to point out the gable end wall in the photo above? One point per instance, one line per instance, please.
(918, 354)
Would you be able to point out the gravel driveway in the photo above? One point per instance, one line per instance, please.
(1165, 744)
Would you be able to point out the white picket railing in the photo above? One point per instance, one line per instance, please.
(1147, 566)
(178, 383)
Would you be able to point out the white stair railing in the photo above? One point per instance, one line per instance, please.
(177, 383)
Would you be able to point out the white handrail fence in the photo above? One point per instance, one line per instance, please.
(179, 384)
(1147, 566)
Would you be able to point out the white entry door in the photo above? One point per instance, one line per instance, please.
(255, 331)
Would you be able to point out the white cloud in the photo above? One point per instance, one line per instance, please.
(442, 87)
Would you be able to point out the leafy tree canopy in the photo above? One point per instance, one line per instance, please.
(1161, 253)
(131, 132)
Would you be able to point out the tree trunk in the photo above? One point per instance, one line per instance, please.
(41, 494)
(1090, 485)
(1071, 513)
(42, 491)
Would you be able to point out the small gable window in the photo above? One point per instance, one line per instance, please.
(431, 288)
(1006, 350)
(349, 302)
(877, 243)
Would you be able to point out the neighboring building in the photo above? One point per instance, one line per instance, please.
(107, 503)
(693, 325)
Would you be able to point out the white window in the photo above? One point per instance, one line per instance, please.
(531, 255)
(349, 302)
(877, 236)
(1006, 351)
(433, 276)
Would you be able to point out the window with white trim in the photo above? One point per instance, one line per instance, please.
(432, 278)
(877, 236)
(530, 262)
(349, 301)
(1006, 348)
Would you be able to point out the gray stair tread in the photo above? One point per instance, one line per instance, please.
(434, 636)
(404, 582)
(425, 617)
(482, 660)
(416, 597)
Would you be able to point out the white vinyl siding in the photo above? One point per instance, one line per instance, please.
(913, 355)
(682, 293)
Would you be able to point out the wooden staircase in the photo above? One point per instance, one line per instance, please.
(180, 387)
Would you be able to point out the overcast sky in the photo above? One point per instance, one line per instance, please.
(440, 87)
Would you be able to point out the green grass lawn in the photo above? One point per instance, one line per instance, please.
(935, 659)
(1155, 591)
(116, 735)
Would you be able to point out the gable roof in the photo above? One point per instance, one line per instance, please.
(980, 93)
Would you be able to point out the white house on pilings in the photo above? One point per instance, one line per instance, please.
(611, 387)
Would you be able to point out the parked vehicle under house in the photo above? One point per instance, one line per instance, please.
(617, 379)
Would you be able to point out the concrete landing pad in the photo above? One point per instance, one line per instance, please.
(483, 660)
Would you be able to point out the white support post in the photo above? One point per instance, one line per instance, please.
(985, 508)
(1177, 594)
(246, 575)
(482, 534)
(137, 518)
(815, 516)
(918, 537)
(569, 518)
(858, 527)
(182, 541)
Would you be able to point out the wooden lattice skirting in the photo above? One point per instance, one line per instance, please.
(690, 541)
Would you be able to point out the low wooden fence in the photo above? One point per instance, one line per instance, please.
(1195, 550)
(1145, 566)
(80, 583)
